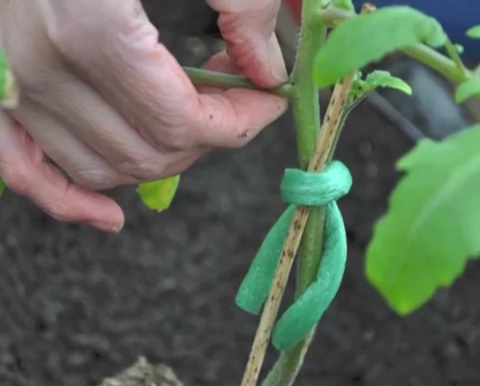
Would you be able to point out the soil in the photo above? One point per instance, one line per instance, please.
(77, 306)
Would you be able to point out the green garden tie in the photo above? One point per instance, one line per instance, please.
(302, 188)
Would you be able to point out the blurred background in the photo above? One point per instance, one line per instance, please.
(77, 305)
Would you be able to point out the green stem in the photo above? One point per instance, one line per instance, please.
(438, 62)
(288, 364)
(305, 96)
(306, 112)
(201, 77)
(453, 53)
(2, 186)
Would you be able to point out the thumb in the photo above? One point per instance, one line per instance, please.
(248, 28)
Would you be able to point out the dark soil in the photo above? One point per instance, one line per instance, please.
(77, 305)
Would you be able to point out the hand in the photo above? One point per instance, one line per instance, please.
(109, 105)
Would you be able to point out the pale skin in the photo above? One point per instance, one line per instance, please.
(104, 100)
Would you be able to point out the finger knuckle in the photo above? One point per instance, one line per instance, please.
(94, 179)
(176, 142)
(72, 37)
(143, 169)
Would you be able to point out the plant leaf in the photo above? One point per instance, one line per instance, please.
(378, 78)
(432, 226)
(459, 48)
(467, 89)
(367, 38)
(2, 187)
(9, 89)
(474, 32)
(3, 74)
(158, 195)
(385, 79)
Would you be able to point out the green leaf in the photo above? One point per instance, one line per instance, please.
(158, 195)
(474, 32)
(2, 187)
(367, 38)
(9, 90)
(384, 79)
(459, 48)
(3, 74)
(344, 4)
(467, 89)
(378, 78)
(432, 226)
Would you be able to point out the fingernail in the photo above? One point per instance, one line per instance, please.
(106, 227)
(277, 63)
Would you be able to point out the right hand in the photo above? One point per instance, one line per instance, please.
(111, 106)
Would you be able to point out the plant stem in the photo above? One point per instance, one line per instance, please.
(288, 365)
(286, 369)
(438, 62)
(305, 96)
(453, 53)
(201, 77)
(306, 112)
(332, 16)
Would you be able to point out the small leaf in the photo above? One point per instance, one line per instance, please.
(474, 32)
(367, 38)
(467, 89)
(9, 90)
(377, 79)
(2, 187)
(460, 49)
(431, 228)
(3, 74)
(158, 195)
(380, 78)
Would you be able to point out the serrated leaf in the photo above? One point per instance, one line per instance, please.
(432, 226)
(158, 195)
(2, 187)
(379, 78)
(385, 79)
(367, 38)
(467, 89)
(474, 32)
